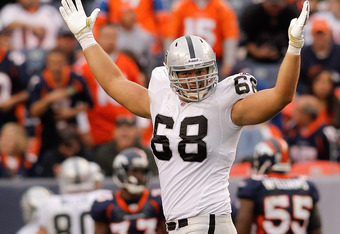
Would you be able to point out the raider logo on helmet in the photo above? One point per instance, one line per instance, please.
(188, 53)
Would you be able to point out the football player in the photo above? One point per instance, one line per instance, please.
(30, 202)
(13, 80)
(69, 212)
(274, 200)
(133, 208)
(196, 120)
(97, 175)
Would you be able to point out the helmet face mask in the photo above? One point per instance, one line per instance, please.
(271, 156)
(189, 53)
(131, 170)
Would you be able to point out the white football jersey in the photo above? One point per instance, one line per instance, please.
(47, 17)
(194, 145)
(69, 213)
(29, 228)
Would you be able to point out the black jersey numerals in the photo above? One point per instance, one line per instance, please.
(63, 223)
(242, 84)
(165, 154)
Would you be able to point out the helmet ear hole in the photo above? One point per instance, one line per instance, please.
(189, 53)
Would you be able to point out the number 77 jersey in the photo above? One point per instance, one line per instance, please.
(194, 144)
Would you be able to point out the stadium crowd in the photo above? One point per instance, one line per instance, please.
(50, 98)
(53, 109)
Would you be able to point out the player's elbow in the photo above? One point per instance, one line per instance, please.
(286, 100)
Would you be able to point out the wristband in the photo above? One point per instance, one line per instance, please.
(293, 50)
(86, 40)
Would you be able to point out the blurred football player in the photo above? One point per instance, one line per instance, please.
(274, 200)
(97, 175)
(69, 212)
(196, 120)
(30, 202)
(133, 208)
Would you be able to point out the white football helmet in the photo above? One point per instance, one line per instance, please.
(75, 176)
(188, 53)
(31, 199)
(271, 154)
(124, 164)
(97, 173)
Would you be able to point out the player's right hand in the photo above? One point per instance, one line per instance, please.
(297, 27)
(79, 24)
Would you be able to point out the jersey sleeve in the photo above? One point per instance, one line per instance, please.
(43, 212)
(157, 201)
(159, 80)
(98, 210)
(234, 88)
(84, 92)
(248, 189)
(314, 192)
(35, 91)
(8, 14)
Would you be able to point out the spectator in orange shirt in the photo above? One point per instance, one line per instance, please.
(213, 20)
(151, 15)
(104, 112)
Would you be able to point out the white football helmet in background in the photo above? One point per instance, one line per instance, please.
(188, 53)
(31, 199)
(97, 174)
(75, 176)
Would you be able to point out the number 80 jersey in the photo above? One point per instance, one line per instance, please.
(194, 144)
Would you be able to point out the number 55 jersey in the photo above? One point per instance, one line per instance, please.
(194, 144)
(282, 203)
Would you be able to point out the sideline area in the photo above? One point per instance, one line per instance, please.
(12, 190)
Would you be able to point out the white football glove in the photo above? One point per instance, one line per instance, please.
(77, 21)
(297, 28)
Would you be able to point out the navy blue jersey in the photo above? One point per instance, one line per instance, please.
(283, 204)
(314, 143)
(46, 84)
(21, 169)
(12, 80)
(141, 216)
(310, 62)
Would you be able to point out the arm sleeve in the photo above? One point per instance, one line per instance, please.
(248, 189)
(98, 211)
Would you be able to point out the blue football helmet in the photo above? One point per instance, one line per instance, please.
(124, 165)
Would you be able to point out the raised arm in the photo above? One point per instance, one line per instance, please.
(263, 105)
(132, 96)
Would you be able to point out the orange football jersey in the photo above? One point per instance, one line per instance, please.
(215, 22)
(102, 116)
(144, 9)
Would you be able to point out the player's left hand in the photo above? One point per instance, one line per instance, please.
(77, 21)
(297, 27)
